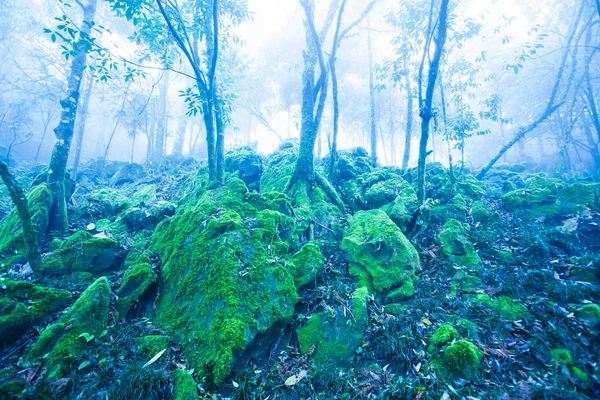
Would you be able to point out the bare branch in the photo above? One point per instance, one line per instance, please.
(362, 16)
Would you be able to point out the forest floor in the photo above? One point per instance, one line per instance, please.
(505, 300)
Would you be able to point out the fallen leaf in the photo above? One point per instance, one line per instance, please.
(156, 357)
(291, 381)
(235, 384)
(426, 322)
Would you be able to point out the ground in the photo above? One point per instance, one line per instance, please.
(169, 287)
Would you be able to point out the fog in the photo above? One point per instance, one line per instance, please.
(498, 70)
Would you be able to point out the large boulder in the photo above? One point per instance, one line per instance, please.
(334, 335)
(223, 278)
(40, 200)
(307, 264)
(136, 281)
(128, 173)
(148, 216)
(380, 255)
(80, 252)
(23, 305)
(247, 164)
(60, 342)
(456, 245)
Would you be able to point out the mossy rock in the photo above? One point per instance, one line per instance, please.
(578, 196)
(561, 356)
(509, 308)
(379, 252)
(460, 360)
(223, 276)
(128, 173)
(589, 314)
(184, 385)
(246, 164)
(335, 336)
(503, 256)
(539, 197)
(147, 216)
(136, 280)
(280, 166)
(151, 345)
(40, 200)
(352, 163)
(482, 214)
(454, 209)
(443, 335)
(146, 194)
(456, 245)
(102, 204)
(62, 341)
(81, 252)
(467, 283)
(470, 187)
(23, 305)
(307, 264)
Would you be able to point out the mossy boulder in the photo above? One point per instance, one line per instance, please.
(136, 280)
(455, 208)
(467, 283)
(352, 163)
(307, 264)
(589, 314)
(456, 245)
(379, 253)
(40, 200)
(60, 342)
(151, 345)
(335, 335)
(80, 252)
(443, 335)
(481, 214)
(505, 306)
(23, 305)
(128, 173)
(147, 216)
(246, 164)
(470, 187)
(223, 277)
(145, 194)
(561, 356)
(578, 196)
(503, 256)
(460, 360)
(184, 385)
(539, 197)
(279, 169)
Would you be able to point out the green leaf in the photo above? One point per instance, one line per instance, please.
(83, 365)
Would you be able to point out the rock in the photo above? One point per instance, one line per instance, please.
(146, 194)
(40, 200)
(334, 335)
(307, 264)
(23, 305)
(352, 163)
(589, 314)
(247, 164)
(42, 178)
(538, 197)
(184, 385)
(482, 214)
(148, 216)
(470, 187)
(503, 256)
(102, 203)
(128, 173)
(80, 252)
(443, 335)
(280, 166)
(461, 360)
(456, 245)
(151, 345)
(136, 280)
(379, 254)
(223, 278)
(60, 342)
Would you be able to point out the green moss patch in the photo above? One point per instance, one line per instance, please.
(456, 245)
(81, 252)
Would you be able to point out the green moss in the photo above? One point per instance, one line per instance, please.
(60, 342)
(589, 314)
(307, 264)
(373, 243)
(503, 256)
(223, 276)
(146, 194)
(184, 385)
(466, 282)
(404, 292)
(538, 197)
(456, 245)
(80, 252)
(151, 345)
(280, 166)
(578, 196)
(561, 356)
(471, 187)
(103, 203)
(461, 360)
(40, 200)
(136, 280)
(508, 308)
(481, 214)
(24, 305)
(443, 335)
(335, 338)
(398, 310)
(579, 374)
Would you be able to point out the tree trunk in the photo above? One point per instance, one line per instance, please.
(392, 141)
(372, 97)
(83, 115)
(117, 122)
(593, 145)
(409, 120)
(220, 145)
(46, 123)
(17, 195)
(64, 131)
(133, 137)
(161, 132)
(426, 111)
(181, 134)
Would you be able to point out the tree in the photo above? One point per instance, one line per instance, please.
(426, 103)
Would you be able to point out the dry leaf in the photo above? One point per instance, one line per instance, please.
(235, 384)
(156, 357)
(426, 322)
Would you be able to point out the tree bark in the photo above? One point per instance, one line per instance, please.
(64, 131)
(426, 111)
(83, 115)
(18, 197)
(409, 120)
(161, 131)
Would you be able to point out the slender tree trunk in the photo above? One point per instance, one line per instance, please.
(426, 111)
(409, 120)
(372, 97)
(83, 115)
(64, 130)
(181, 133)
(589, 88)
(161, 132)
(32, 249)
(117, 123)
(220, 145)
(392, 140)
(133, 137)
(336, 118)
(46, 123)
(593, 146)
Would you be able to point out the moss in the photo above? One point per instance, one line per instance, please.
(280, 166)
(578, 196)
(589, 314)
(136, 280)
(223, 278)
(398, 310)
(456, 208)
(404, 292)
(466, 282)
(246, 164)
(471, 187)
(508, 308)
(184, 385)
(103, 203)
(481, 214)
(373, 243)
(503, 256)
(146, 194)
(456, 245)
(40, 200)
(151, 345)
(443, 335)
(81, 252)
(148, 216)
(539, 197)
(579, 374)
(561, 356)
(60, 342)
(307, 264)
(24, 305)
(336, 338)
(461, 360)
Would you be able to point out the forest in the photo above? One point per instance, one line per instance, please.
(299, 199)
